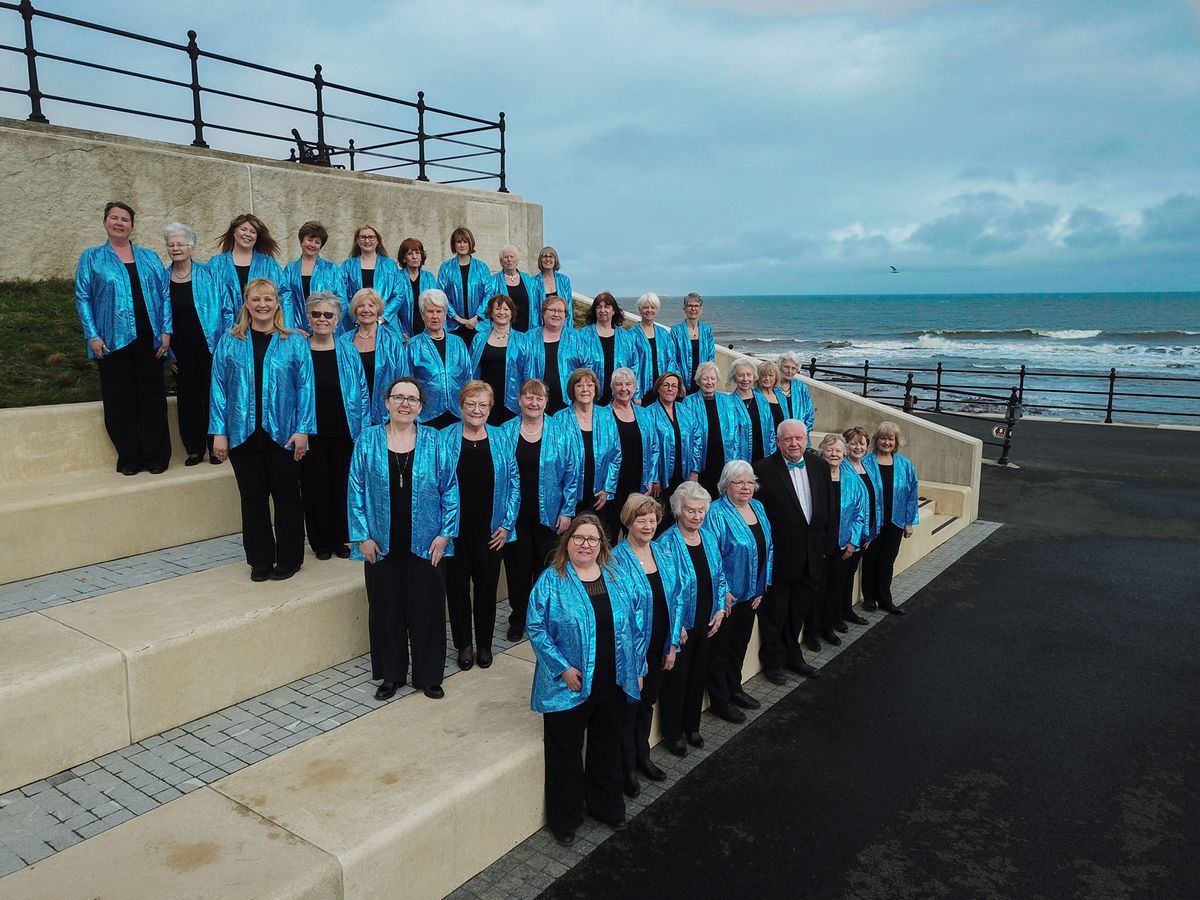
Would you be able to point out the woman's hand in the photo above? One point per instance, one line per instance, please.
(499, 536)
(472, 322)
(220, 447)
(574, 679)
(754, 604)
(640, 680)
(99, 348)
(715, 624)
(564, 522)
(668, 662)
(601, 499)
(695, 476)
(729, 599)
(163, 347)
(683, 637)
(369, 549)
(437, 548)
(908, 531)
(298, 445)
(847, 551)
(655, 489)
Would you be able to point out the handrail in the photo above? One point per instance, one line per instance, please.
(432, 146)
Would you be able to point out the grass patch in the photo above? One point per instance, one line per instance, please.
(42, 355)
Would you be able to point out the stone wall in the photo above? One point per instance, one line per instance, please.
(55, 181)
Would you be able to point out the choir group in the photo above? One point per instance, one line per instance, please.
(435, 426)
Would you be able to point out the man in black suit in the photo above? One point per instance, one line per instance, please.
(794, 488)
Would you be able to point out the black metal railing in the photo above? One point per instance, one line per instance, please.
(439, 139)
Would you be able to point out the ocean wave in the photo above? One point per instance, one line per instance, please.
(1061, 334)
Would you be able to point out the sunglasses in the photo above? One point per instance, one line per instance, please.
(322, 314)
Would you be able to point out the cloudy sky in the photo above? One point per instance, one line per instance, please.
(780, 146)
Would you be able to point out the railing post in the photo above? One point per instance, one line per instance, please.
(1021, 385)
(1010, 422)
(503, 177)
(812, 368)
(908, 398)
(193, 51)
(1112, 387)
(866, 373)
(351, 154)
(35, 93)
(319, 84)
(421, 176)
(937, 397)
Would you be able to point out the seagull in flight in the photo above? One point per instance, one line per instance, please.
(895, 271)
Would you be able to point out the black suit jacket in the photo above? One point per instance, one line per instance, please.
(800, 545)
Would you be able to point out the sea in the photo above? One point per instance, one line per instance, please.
(1154, 336)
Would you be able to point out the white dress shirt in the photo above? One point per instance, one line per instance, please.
(803, 490)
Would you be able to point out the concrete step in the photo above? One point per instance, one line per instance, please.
(95, 675)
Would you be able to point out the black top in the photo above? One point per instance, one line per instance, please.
(604, 676)
(588, 498)
(835, 523)
(660, 621)
(243, 274)
(440, 344)
(493, 366)
(529, 466)
(261, 341)
(866, 480)
(756, 434)
(520, 297)
(653, 358)
(760, 544)
(368, 276)
(677, 475)
(327, 384)
(464, 273)
(476, 484)
(401, 475)
(704, 598)
(714, 459)
(695, 353)
(187, 331)
(141, 315)
(887, 474)
(306, 284)
(368, 364)
(554, 397)
(629, 479)
(608, 349)
(777, 416)
(418, 324)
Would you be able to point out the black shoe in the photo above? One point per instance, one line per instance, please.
(775, 676)
(278, 573)
(869, 605)
(213, 461)
(484, 658)
(744, 700)
(803, 668)
(728, 713)
(324, 554)
(261, 573)
(435, 692)
(157, 470)
(676, 747)
(694, 738)
(342, 552)
(893, 609)
(466, 659)
(386, 691)
(856, 619)
(616, 825)
(194, 459)
(130, 470)
(632, 788)
(840, 627)
(810, 641)
(830, 638)
(565, 840)
(651, 771)
(514, 634)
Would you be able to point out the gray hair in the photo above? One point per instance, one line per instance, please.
(703, 367)
(830, 439)
(506, 248)
(791, 423)
(649, 299)
(688, 490)
(316, 298)
(731, 380)
(174, 228)
(545, 250)
(789, 357)
(735, 469)
(623, 372)
(693, 296)
(434, 296)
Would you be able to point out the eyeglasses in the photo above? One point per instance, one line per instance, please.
(404, 399)
(477, 407)
(321, 314)
(582, 540)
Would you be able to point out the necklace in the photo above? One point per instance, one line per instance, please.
(403, 461)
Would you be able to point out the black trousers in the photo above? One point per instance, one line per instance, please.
(192, 391)
(635, 731)
(780, 619)
(573, 780)
(406, 594)
(879, 563)
(524, 560)
(268, 473)
(727, 653)
(135, 405)
(847, 600)
(473, 572)
(833, 587)
(682, 691)
(323, 477)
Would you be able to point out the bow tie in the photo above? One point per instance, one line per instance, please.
(799, 464)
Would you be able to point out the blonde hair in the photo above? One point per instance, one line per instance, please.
(476, 386)
(243, 323)
(361, 297)
(768, 368)
(637, 505)
(887, 429)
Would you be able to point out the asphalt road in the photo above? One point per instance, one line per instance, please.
(1029, 729)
